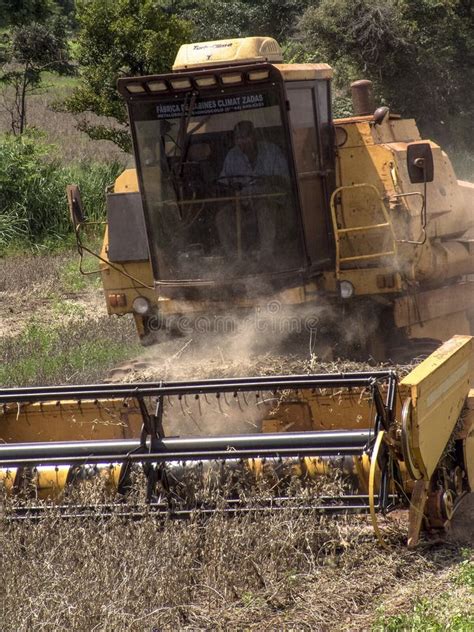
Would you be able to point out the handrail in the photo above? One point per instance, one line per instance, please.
(341, 231)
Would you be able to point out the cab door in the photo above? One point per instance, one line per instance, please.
(311, 132)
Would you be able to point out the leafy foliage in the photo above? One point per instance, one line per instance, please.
(21, 12)
(120, 38)
(33, 201)
(417, 52)
(214, 19)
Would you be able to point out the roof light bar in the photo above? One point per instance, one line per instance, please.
(258, 75)
(235, 77)
(181, 84)
(157, 86)
(205, 82)
(135, 88)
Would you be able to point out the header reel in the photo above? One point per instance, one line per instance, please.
(296, 437)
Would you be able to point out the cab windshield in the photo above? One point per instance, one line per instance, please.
(217, 185)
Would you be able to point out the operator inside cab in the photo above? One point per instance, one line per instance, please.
(216, 169)
(252, 168)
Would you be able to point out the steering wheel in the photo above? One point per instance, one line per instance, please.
(238, 182)
(278, 184)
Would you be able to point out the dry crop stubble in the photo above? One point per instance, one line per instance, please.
(262, 571)
(25, 272)
(282, 570)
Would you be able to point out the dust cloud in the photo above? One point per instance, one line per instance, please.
(272, 339)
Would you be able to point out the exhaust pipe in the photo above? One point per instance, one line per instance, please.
(362, 97)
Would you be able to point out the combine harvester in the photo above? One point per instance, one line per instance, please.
(247, 193)
(393, 445)
(356, 221)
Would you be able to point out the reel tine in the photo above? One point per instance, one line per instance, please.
(218, 397)
(199, 404)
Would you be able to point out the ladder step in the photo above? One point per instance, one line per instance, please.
(374, 255)
(358, 228)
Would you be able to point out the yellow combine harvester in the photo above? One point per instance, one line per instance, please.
(247, 193)
(390, 444)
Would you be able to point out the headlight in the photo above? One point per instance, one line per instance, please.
(141, 305)
(346, 289)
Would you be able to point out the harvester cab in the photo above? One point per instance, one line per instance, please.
(216, 169)
(235, 166)
(246, 192)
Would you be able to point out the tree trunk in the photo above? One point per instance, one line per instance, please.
(23, 101)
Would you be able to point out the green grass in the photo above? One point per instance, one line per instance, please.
(33, 204)
(465, 576)
(59, 84)
(71, 278)
(426, 617)
(448, 612)
(73, 349)
(61, 307)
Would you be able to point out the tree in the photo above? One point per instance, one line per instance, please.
(419, 53)
(14, 13)
(214, 19)
(26, 53)
(120, 38)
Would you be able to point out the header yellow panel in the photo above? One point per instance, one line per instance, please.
(227, 52)
(438, 388)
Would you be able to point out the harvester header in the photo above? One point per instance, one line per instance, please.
(389, 444)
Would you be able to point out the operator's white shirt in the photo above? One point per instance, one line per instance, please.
(238, 168)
